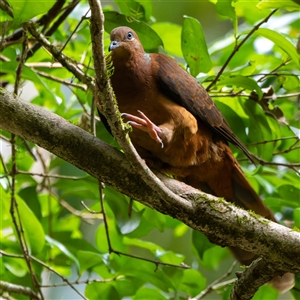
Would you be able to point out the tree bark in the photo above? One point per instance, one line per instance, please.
(222, 222)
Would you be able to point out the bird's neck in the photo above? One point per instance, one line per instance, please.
(132, 73)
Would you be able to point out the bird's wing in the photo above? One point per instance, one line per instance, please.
(183, 89)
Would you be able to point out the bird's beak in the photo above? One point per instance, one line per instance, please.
(113, 45)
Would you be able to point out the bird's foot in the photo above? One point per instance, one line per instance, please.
(145, 124)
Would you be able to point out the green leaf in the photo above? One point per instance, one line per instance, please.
(225, 8)
(16, 266)
(135, 9)
(289, 192)
(114, 235)
(297, 217)
(152, 247)
(193, 282)
(148, 37)
(170, 34)
(243, 82)
(63, 249)
(296, 291)
(120, 206)
(281, 42)
(266, 292)
(286, 4)
(259, 130)
(155, 218)
(103, 291)
(201, 243)
(33, 229)
(170, 257)
(146, 293)
(88, 259)
(29, 194)
(213, 257)
(147, 272)
(232, 116)
(27, 73)
(24, 10)
(194, 46)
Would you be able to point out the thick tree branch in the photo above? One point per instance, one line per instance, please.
(222, 222)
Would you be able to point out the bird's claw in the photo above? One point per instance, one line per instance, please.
(145, 124)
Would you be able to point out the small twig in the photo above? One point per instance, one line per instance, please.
(275, 69)
(273, 74)
(5, 170)
(273, 163)
(4, 138)
(92, 121)
(231, 94)
(237, 47)
(89, 210)
(290, 149)
(100, 187)
(155, 262)
(65, 82)
(50, 65)
(64, 60)
(19, 289)
(263, 162)
(213, 285)
(84, 216)
(54, 27)
(60, 276)
(5, 7)
(87, 281)
(273, 140)
(110, 248)
(13, 255)
(49, 175)
(77, 26)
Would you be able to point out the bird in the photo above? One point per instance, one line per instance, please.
(178, 129)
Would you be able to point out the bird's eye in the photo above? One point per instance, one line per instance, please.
(129, 35)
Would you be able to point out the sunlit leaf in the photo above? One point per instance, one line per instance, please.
(194, 48)
(170, 257)
(286, 4)
(135, 9)
(242, 82)
(33, 229)
(24, 10)
(266, 292)
(281, 42)
(148, 293)
(105, 291)
(170, 34)
(225, 8)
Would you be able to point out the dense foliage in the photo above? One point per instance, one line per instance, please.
(55, 234)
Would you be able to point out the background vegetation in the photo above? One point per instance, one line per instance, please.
(54, 240)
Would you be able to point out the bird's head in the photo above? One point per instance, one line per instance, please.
(124, 42)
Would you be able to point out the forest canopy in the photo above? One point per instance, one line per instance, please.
(79, 221)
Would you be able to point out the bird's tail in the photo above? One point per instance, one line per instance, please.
(244, 196)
